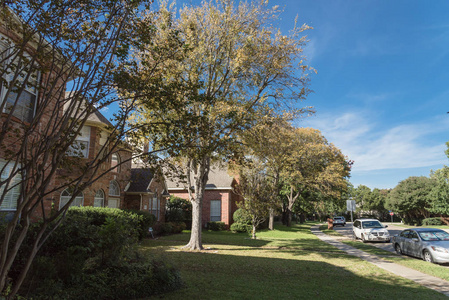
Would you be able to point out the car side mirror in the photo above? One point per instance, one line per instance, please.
(386, 226)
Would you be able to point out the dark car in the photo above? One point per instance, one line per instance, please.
(430, 244)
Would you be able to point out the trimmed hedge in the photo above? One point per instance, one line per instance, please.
(216, 226)
(237, 227)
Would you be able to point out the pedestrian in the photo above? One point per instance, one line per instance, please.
(330, 224)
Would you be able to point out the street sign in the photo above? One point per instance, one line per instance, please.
(350, 204)
(392, 213)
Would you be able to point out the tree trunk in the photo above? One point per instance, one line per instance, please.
(289, 217)
(254, 232)
(200, 170)
(271, 220)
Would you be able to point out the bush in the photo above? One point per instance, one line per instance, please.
(216, 226)
(92, 255)
(241, 216)
(146, 221)
(178, 210)
(412, 221)
(432, 221)
(169, 228)
(238, 227)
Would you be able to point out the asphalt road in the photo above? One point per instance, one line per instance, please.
(393, 230)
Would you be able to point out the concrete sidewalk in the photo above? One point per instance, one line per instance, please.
(428, 281)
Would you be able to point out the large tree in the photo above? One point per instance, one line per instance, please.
(410, 198)
(228, 67)
(45, 47)
(313, 164)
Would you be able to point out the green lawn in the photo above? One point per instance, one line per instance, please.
(287, 263)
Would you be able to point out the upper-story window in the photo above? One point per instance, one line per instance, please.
(81, 145)
(115, 162)
(21, 78)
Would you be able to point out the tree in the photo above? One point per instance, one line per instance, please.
(258, 192)
(439, 195)
(410, 198)
(313, 164)
(227, 68)
(45, 47)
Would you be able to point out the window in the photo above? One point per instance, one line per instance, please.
(114, 188)
(99, 199)
(215, 210)
(22, 94)
(115, 161)
(80, 147)
(113, 203)
(66, 195)
(13, 189)
(155, 206)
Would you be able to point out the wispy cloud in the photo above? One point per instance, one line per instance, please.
(374, 147)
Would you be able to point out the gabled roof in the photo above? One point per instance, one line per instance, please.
(219, 179)
(140, 181)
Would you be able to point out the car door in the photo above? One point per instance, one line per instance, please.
(403, 240)
(356, 229)
(414, 244)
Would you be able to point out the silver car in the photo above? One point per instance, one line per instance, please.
(430, 244)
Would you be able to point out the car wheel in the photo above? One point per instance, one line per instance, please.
(398, 249)
(427, 256)
(363, 238)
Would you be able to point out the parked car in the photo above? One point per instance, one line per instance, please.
(430, 244)
(339, 221)
(370, 230)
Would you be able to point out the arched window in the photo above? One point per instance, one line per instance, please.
(66, 195)
(114, 188)
(114, 194)
(99, 199)
(115, 162)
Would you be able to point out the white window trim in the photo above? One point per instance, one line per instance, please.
(78, 201)
(33, 91)
(213, 216)
(118, 188)
(98, 199)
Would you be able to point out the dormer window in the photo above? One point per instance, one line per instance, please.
(18, 90)
(80, 146)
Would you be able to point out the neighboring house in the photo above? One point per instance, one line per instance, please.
(108, 191)
(146, 191)
(219, 203)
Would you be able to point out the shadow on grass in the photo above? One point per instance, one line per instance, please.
(286, 274)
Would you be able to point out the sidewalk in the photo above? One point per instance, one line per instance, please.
(428, 281)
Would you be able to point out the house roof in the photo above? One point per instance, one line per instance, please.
(95, 117)
(140, 181)
(218, 179)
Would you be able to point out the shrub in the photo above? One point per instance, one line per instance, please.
(241, 216)
(178, 210)
(216, 226)
(92, 255)
(146, 221)
(238, 227)
(432, 221)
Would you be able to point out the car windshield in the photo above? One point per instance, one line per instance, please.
(372, 224)
(338, 218)
(434, 235)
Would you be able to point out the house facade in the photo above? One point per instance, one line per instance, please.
(219, 202)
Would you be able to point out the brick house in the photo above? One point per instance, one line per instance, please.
(20, 110)
(146, 191)
(219, 203)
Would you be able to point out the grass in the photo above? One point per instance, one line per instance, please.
(287, 263)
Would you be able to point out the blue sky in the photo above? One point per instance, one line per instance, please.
(381, 91)
(382, 84)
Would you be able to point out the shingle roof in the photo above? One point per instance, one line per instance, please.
(140, 181)
(218, 179)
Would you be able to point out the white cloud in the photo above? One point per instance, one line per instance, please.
(373, 147)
